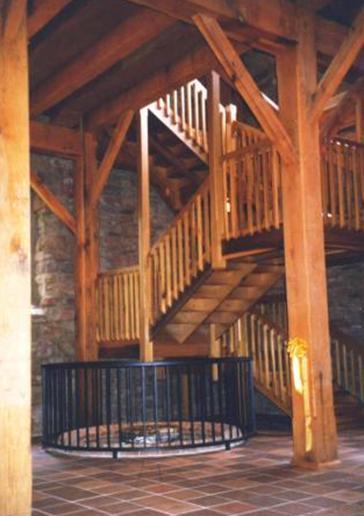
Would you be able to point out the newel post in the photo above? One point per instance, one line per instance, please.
(145, 296)
(217, 201)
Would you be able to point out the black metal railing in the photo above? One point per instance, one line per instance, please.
(128, 406)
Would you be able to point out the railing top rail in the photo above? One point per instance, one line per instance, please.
(120, 270)
(112, 364)
(204, 186)
(270, 324)
(246, 127)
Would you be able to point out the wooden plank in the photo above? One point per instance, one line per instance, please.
(217, 203)
(245, 85)
(43, 11)
(111, 153)
(146, 345)
(339, 66)
(127, 37)
(51, 201)
(15, 265)
(87, 256)
(52, 139)
(194, 65)
(314, 428)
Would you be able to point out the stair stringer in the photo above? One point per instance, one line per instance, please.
(178, 132)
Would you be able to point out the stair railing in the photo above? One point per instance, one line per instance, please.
(252, 184)
(118, 305)
(181, 253)
(343, 184)
(347, 364)
(187, 107)
(259, 338)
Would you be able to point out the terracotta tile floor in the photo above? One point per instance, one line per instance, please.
(253, 479)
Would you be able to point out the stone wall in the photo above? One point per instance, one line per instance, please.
(53, 253)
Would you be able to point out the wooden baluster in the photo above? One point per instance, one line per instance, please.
(204, 120)
(348, 187)
(331, 161)
(281, 350)
(352, 373)
(174, 263)
(181, 284)
(137, 303)
(273, 350)
(168, 271)
(206, 227)
(187, 248)
(252, 340)
(175, 107)
(193, 240)
(266, 356)
(340, 172)
(196, 114)
(189, 110)
(183, 108)
(356, 189)
(163, 279)
(199, 233)
(266, 170)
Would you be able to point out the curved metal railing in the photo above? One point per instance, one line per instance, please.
(121, 406)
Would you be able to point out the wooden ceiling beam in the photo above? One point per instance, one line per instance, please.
(245, 85)
(339, 66)
(110, 156)
(51, 139)
(123, 40)
(51, 201)
(189, 67)
(43, 12)
(277, 19)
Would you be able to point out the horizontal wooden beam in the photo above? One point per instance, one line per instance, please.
(110, 156)
(340, 65)
(43, 11)
(245, 85)
(123, 40)
(51, 139)
(51, 201)
(189, 67)
(276, 18)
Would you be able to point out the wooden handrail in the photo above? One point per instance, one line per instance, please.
(181, 253)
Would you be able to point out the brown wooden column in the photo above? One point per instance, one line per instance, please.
(217, 205)
(146, 346)
(87, 252)
(15, 335)
(314, 426)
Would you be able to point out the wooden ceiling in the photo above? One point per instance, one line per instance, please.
(93, 59)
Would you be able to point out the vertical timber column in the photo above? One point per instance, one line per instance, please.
(314, 426)
(217, 204)
(87, 253)
(15, 334)
(146, 345)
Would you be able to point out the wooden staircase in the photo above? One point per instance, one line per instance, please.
(262, 334)
(189, 294)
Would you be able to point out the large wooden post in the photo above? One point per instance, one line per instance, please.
(15, 336)
(217, 204)
(146, 346)
(87, 252)
(314, 426)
